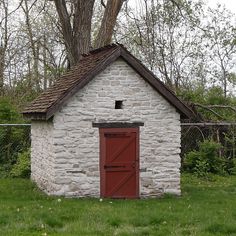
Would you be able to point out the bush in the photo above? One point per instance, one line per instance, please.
(5, 171)
(232, 166)
(206, 160)
(22, 167)
(13, 140)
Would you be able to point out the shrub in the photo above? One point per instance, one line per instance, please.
(201, 168)
(232, 166)
(5, 171)
(22, 167)
(13, 140)
(205, 160)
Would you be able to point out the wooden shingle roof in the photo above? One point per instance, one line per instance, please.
(45, 106)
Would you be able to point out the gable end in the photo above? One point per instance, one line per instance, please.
(48, 103)
(158, 85)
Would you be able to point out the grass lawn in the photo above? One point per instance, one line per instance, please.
(205, 208)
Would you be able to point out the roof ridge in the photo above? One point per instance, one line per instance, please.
(85, 55)
(96, 50)
(93, 63)
(99, 62)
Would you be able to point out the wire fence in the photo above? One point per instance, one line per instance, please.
(222, 133)
(14, 140)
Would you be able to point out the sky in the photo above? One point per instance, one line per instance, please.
(230, 4)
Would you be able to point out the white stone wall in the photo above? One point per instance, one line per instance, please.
(42, 155)
(76, 142)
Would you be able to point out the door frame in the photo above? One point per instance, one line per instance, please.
(102, 158)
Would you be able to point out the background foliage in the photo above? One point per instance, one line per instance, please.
(190, 47)
(13, 139)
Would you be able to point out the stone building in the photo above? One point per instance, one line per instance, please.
(107, 128)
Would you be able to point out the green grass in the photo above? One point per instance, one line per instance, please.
(205, 208)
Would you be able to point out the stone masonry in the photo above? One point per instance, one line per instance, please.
(65, 151)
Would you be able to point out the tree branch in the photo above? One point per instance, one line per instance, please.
(209, 109)
(223, 107)
(103, 4)
(66, 27)
(108, 22)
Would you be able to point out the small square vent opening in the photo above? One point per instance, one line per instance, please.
(119, 104)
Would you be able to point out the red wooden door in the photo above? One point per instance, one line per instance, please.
(119, 162)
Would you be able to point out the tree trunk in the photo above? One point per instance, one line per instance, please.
(112, 10)
(4, 38)
(67, 31)
(77, 37)
(2, 64)
(34, 46)
(45, 81)
(82, 25)
(76, 29)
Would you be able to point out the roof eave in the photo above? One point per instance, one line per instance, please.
(120, 51)
(87, 78)
(35, 115)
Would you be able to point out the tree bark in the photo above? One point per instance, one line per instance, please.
(77, 37)
(76, 29)
(67, 31)
(3, 45)
(2, 65)
(45, 81)
(112, 10)
(34, 47)
(82, 25)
